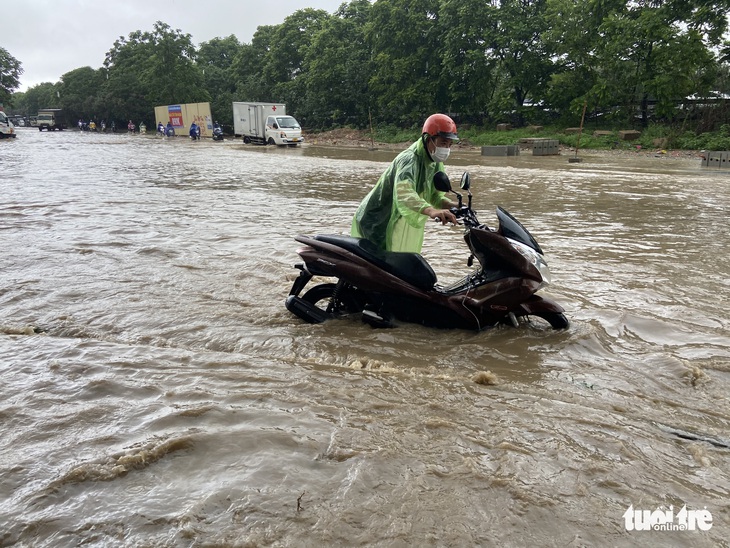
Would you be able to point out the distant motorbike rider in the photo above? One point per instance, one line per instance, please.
(217, 132)
(394, 214)
(194, 131)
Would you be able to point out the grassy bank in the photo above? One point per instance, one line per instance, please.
(655, 136)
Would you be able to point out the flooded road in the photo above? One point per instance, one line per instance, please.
(155, 391)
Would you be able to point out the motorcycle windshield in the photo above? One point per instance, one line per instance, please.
(513, 229)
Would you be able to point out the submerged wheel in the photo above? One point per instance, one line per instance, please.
(271, 141)
(321, 297)
(555, 319)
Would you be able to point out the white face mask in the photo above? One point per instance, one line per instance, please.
(441, 154)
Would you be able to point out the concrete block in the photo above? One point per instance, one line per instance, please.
(571, 130)
(717, 159)
(546, 147)
(501, 150)
(504, 127)
(529, 140)
(629, 134)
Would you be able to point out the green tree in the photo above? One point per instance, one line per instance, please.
(284, 63)
(468, 72)
(171, 75)
(124, 92)
(572, 38)
(19, 104)
(218, 52)
(10, 71)
(524, 59)
(637, 53)
(78, 93)
(247, 67)
(338, 64)
(403, 59)
(215, 59)
(45, 95)
(404, 38)
(149, 69)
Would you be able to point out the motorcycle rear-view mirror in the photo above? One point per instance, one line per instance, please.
(441, 182)
(465, 181)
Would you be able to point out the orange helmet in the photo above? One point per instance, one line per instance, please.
(440, 125)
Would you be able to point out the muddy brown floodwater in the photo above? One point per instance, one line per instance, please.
(154, 390)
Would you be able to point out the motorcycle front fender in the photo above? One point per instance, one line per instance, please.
(536, 304)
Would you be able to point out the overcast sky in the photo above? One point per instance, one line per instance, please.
(53, 37)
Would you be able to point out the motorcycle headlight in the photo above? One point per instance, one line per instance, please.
(534, 258)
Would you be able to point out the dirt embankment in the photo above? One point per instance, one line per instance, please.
(349, 138)
(361, 139)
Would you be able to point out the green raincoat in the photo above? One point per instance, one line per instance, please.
(390, 215)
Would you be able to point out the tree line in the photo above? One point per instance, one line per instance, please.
(395, 61)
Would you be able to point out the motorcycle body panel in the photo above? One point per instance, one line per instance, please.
(496, 254)
(513, 229)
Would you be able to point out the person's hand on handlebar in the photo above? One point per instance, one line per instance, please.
(443, 215)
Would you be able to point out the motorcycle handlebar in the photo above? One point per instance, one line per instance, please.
(467, 214)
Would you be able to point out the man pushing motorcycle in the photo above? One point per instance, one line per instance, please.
(394, 213)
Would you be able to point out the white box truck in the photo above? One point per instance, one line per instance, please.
(265, 124)
(7, 129)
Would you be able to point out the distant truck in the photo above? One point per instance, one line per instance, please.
(50, 119)
(7, 129)
(265, 124)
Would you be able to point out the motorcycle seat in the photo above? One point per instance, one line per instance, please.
(410, 267)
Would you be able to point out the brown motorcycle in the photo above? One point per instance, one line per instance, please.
(384, 287)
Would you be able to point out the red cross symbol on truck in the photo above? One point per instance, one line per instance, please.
(273, 108)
